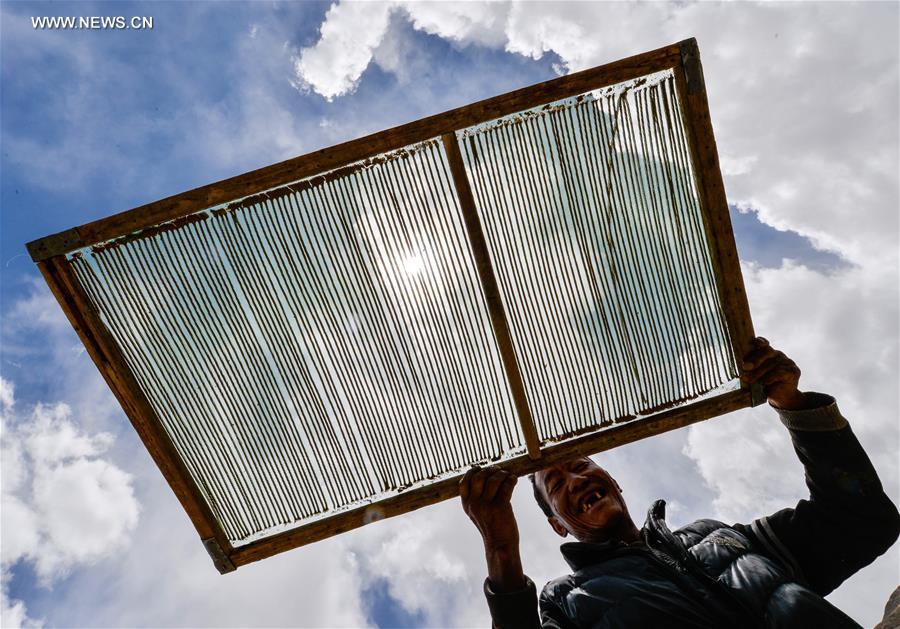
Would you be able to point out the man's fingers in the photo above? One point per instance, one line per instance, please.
(504, 494)
(465, 483)
(756, 356)
(782, 373)
(492, 484)
(764, 363)
(478, 479)
(757, 346)
(781, 365)
(485, 485)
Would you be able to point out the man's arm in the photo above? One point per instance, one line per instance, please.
(848, 520)
(486, 494)
(517, 609)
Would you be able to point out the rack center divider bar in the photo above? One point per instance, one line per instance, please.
(544, 274)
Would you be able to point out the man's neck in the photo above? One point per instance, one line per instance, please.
(627, 533)
(632, 534)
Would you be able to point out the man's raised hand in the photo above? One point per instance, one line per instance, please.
(776, 372)
(486, 494)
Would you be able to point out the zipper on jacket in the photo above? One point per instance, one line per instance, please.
(657, 534)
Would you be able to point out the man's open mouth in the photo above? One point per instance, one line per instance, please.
(591, 499)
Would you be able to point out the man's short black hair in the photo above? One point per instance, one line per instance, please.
(539, 497)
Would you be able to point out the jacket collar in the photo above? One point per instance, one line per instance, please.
(581, 554)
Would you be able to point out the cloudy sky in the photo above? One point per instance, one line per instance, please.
(804, 101)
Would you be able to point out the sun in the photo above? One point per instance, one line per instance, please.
(413, 264)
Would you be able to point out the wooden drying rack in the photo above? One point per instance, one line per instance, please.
(682, 58)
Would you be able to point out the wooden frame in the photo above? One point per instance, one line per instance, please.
(683, 58)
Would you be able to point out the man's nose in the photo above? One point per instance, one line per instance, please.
(577, 482)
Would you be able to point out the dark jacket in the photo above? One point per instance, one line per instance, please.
(771, 573)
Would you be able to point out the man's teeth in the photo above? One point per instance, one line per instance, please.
(590, 500)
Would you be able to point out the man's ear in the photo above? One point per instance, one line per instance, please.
(558, 526)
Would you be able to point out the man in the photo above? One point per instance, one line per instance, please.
(771, 573)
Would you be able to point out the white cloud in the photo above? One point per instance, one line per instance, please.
(14, 614)
(20, 529)
(396, 554)
(62, 506)
(481, 23)
(6, 395)
(842, 333)
(88, 508)
(51, 438)
(349, 35)
(354, 34)
(316, 586)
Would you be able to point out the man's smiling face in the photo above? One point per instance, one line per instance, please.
(586, 501)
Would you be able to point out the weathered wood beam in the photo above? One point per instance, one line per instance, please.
(691, 89)
(491, 292)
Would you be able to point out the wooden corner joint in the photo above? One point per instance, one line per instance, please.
(693, 70)
(757, 394)
(220, 559)
(57, 244)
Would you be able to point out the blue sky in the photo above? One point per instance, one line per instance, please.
(95, 122)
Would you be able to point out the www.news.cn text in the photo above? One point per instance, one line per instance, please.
(95, 22)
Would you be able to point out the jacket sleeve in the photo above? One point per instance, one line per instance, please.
(519, 609)
(847, 521)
